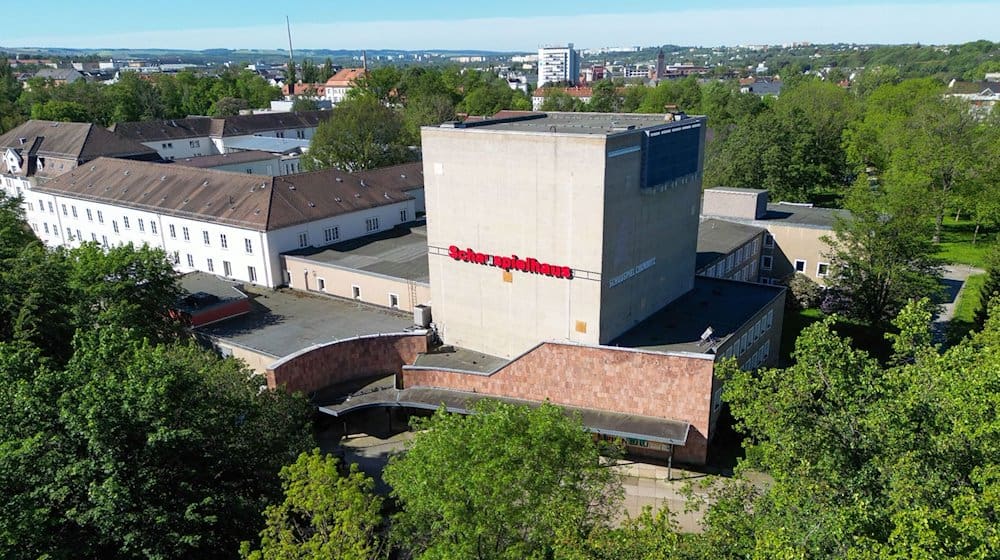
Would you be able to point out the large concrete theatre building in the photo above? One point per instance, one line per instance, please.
(559, 226)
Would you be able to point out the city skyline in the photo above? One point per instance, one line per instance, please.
(516, 25)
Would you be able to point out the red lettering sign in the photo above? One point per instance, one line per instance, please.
(512, 262)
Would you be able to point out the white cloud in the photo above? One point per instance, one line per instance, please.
(879, 23)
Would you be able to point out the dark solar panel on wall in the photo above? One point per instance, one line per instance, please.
(670, 156)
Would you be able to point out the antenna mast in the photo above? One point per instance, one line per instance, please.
(291, 59)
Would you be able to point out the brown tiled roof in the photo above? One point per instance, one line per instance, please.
(79, 141)
(345, 77)
(200, 127)
(205, 162)
(237, 199)
(170, 129)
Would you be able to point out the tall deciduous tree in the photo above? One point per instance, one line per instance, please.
(504, 482)
(881, 257)
(323, 515)
(361, 133)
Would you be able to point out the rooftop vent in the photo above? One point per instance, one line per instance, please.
(256, 210)
(312, 205)
(357, 195)
(363, 183)
(402, 175)
(386, 195)
(205, 183)
(291, 187)
(25, 141)
(339, 179)
(186, 200)
(93, 167)
(163, 177)
(338, 199)
(126, 172)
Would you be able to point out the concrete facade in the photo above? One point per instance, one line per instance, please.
(375, 289)
(551, 199)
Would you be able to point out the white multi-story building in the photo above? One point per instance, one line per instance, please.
(558, 64)
(204, 136)
(230, 224)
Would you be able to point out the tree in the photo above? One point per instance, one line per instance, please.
(360, 134)
(67, 111)
(505, 482)
(134, 99)
(606, 98)
(559, 100)
(138, 451)
(228, 106)
(881, 258)
(304, 104)
(323, 515)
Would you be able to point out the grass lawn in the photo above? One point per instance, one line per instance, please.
(956, 243)
(966, 307)
(862, 336)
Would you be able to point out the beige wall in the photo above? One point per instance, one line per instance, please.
(257, 361)
(531, 195)
(375, 289)
(796, 243)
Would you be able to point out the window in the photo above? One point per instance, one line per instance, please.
(279, 134)
(371, 224)
(93, 237)
(800, 265)
(402, 215)
(186, 233)
(249, 170)
(768, 241)
(46, 226)
(90, 216)
(303, 239)
(205, 238)
(822, 270)
(177, 257)
(79, 235)
(248, 245)
(100, 217)
(104, 241)
(190, 260)
(331, 234)
(152, 227)
(41, 205)
(65, 212)
(227, 269)
(766, 261)
(31, 206)
(114, 225)
(252, 273)
(73, 209)
(222, 241)
(125, 221)
(394, 301)
(356, 291)
(211, 265)
(173, 232)
(142, 226)
(51, 210)
(55, 229)
(195, 143)
(300, 134)
(168, 144)
(321, 284)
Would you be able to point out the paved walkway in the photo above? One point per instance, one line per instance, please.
(954, 284)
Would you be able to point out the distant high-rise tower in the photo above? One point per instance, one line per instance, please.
(558, 63)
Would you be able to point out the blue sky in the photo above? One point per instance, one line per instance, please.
(505, 25)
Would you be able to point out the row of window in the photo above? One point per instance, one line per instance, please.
(760, 356)
(822, 269)
(356, 292)
(227, 267)
(748, 338)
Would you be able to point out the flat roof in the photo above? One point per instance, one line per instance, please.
(717, 238)
(197, 285)
(400, 252)
(603, 124)
(268, 144)
(462, 359)
(802, 214)
(216, 160)
(615, 424)
(724, 305)
(285, 321)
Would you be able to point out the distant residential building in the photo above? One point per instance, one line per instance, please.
(558, 64)
(583, 93)
(60, 76)
(339, 84)
(981, 96)
(761, 86)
